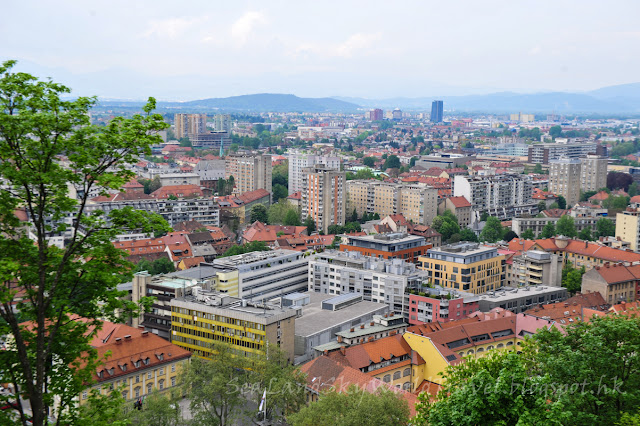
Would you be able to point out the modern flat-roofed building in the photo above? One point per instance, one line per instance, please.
(437, 111)
(378, 280)
(187, 124)
(213, 140)
(171, 179)
(465, 266)
(327, 315)
(443, 161)
(396, 245)
(628, 228)
(593, 175)
(520, 299)
(206, 317)
(440, 304)
(542, 153)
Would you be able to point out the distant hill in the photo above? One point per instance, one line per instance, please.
(264, 102)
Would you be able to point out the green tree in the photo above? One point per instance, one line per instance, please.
(162, 266)
(214, 388)
(528, 234)
(161, 409)
(155, 184)
(234, 147)
(538, 168)
(467, 234)
(549, 230)
(542, 206)
(585, 234)
(310, 224)
(566, 226)
(185, 141)
(555, 131)
(446, 224)
(584, 196)
(562, 203)
(37, 129)
(605, 228)
(280, 175)
(634, 189)
(484, 216)
(246, 248)
(292, 218)
(103, 410)
(259, 213)
(354, 216)
(392, 162)
(278, 211)
(335, 230)
(509, 235)
(572, 278)
(355, 407)
(600, 357)
(554, 205)
(492, 230)
(279, 192)
(369, 161)
(480, 391)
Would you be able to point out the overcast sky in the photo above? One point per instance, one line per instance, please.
(192, 50)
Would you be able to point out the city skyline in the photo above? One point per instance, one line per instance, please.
(131, 52)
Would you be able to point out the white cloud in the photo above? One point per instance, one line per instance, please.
(358, 41)
(244, 26)
(171, 28)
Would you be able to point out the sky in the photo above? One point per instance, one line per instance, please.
(182, 50)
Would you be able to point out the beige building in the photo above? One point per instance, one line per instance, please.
(565, 178)
(323, 196)
(593, 176)
(417, 204)
(460, 207)
(535, 267)
(616, 283)
(628, 228)
(250, 172)
(186, 124)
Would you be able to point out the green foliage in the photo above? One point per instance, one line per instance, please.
(355, 407)
(369, 161)
(185, 141)
(161, 409)
(492, 231)
(158, 266)
(528, 234)
(37, 128)
(278, 212)
(555, 131)
(484, 216)
(246, 248)
(279, 192)
(259, 213)
(605, 228)
(584, 196)
(572, 278)
(566, 226)
(361, 174)
(446, 224)
(634, 189)
(347, 228)
(103, 410)
(542, 206)
(509, 235)
(533, 134)
(310, 224)
(617, 202)
(481, 392)
(549, 230)
(467, 234)
(392, 162)
(280, 175)
(562, 202)
(292, 218)
(585, 234)
(412, 162)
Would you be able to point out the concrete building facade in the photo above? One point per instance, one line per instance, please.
(593, 175)
(323, 196)
(250, 172)
(300, 160)
(188, 124)
(565, 178)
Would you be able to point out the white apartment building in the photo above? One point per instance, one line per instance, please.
(377, 280)
(503, 196)
(323, 196)
(300, 160)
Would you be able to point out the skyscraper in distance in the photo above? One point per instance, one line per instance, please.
(436, 111)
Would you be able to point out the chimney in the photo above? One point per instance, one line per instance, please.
(127, 338)
(141, 327)
(566, 304)
(145, 333)
(370, 339)
(326, 352)
(386, 315)
(371, 323)
(362, 326)
(118, 341)
(343, 350)
(352, 329)
(339, 339)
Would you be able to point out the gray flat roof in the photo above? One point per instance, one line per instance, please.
(509, 293)
(314, 319)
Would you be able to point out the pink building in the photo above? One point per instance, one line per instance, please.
(431, 309)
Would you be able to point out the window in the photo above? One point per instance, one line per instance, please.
(85, 394)
(173, 381)
(137, 391)
(161, 384)
(173, 368)
(138, 379)
(149, 387)
(386, 378)
(406, 386)
(396, 375)
(161, 371)
(406, 372)
(149, 375)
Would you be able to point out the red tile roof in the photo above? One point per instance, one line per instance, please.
(580, 247)
(179, 191)
(600, 196)
(258, 231)
(459, 202)
(251, 196)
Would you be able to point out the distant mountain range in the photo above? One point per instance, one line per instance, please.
(621, 99)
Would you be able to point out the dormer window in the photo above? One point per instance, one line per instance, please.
(111, 371)
(160, 356)
(136, 364)
(146, 361)
(123, 367)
